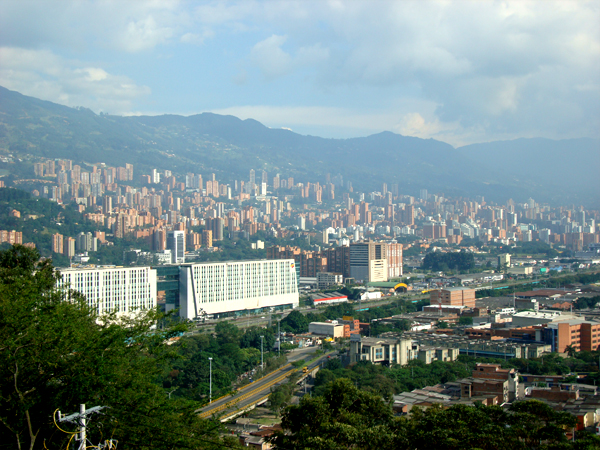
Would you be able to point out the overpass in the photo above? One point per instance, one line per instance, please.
(254, 394)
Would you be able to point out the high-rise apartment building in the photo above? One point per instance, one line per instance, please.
(69, 247)
(207, 240)
(368, 261)
(86, 242)
(57, 243)
(252, 180)
(176, 243)
(394, 260)
(12, 237)
(155, 176)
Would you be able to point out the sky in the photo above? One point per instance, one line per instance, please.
(458, 71)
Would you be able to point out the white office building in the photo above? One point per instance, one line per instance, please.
(113, 289)
(215, 288)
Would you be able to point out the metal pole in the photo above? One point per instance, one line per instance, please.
(279, 338)
(262, 366)
(210, 381)
(82, 433)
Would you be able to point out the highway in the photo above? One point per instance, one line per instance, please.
(257, 392)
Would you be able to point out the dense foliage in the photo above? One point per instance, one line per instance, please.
(349, 417)
(587, 302)
(56, 354)
(444, 262)
(386, 381)
(235, 360)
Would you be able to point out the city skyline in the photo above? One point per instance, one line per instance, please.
(457, 72)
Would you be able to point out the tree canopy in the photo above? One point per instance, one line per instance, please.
(458, 261)
(347, 417)
(56, 353)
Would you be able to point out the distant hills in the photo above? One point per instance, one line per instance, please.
(555, 171)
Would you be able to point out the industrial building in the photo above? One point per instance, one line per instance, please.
(328, 299)
(478, 347)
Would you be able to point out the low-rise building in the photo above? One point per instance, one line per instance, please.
(457, 296)
(491, 379)
(431, 354)
(329, 298)
(381, 351)
(474, 387)
(326, 279)
(581, 334)
(477, 347)
(331, 329)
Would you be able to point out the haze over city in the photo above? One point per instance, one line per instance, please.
(460, 72)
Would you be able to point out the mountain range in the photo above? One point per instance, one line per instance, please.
(556, 171)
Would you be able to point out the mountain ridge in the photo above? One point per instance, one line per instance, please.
(230, 146)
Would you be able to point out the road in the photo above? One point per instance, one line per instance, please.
(258, 391)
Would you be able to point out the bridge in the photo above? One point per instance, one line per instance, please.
(254, 394)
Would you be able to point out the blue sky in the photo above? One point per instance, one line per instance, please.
(457, 71)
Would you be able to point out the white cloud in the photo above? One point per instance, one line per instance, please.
(197, 38)
(131, 26)
(42, 74)
(144, 34)
(516, 66)
(274, 62)
(270, 58)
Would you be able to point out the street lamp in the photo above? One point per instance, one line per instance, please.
(261, 353)
(210, 380)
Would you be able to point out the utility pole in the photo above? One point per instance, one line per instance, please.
(279, 338)
(80, 419)
(210, 380)
(262, 366)
(83, 421)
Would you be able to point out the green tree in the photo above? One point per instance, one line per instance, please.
(56, 353)
(533, 422)
(295, 322)
(570, 350)
(251, 338)
(343, 417)
(465, 320)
